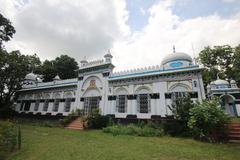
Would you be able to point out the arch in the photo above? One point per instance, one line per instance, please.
(179, 87)
(67, 94)
(121, 91)
(98, 81)
(143, 89)
(56, 95)
(92, 92)
(228, 104)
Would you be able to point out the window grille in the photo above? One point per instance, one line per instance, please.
(27, 106)
(45, 105)
(56, 105)
(67, 105)
(90, 103)
(121, 103)
(36, 105)
(144, 103)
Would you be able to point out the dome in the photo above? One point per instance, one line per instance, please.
(176, 56)
(30, 76)
(221, 82)
(232, 81)
(56, 78)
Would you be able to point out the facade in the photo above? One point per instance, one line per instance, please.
(229, 95)
(141, 93)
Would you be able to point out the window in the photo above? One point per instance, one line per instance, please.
(143, 101)
(67, 105)
(22, 105)
(56, 105)
(121, 104)
(90, 103)
(195, 83)
(36, 105)
(27, 105)
(45, 105)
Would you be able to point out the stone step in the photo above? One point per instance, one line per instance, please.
(234, 141)
(76, 124)
(234, 133)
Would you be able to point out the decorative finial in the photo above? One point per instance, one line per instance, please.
(109, 52)
(174, 51)
(218, 76)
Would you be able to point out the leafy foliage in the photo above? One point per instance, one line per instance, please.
(6, 30)
(134, 130)
(8, 138)
(222, 60)
(180, 110)
(13, 68)
(95, 120)
(208, 121)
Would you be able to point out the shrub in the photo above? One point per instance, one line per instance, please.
(177, 126)
(208, 122)
(134, 130)
(95, 120)
(8, 138)
(73, 115)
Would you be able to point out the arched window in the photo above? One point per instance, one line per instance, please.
(121, 103)
(144, 103)
(45, 105)
(56, 105)
(36, 105)
(67, 105)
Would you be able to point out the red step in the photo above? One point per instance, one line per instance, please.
(234, 132)
(76, 124)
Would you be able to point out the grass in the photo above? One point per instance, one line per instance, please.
(41, 143)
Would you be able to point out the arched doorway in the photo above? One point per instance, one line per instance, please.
(228, 104)
(92, 98)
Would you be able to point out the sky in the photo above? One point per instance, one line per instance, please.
(139, 33)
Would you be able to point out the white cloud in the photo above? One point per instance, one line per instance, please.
(86, 27)
(77, 28)
(228, 1)
(165, 29)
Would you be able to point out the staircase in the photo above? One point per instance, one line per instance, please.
(76, 124)
(234, 132)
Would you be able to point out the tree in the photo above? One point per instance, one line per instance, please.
(217, 60)
(236, 64)
(13, 68)
(66, 66)
(48, 71)
(6, 30)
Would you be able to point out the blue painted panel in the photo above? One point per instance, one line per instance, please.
(176, 64)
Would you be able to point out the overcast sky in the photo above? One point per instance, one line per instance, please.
(138, 32)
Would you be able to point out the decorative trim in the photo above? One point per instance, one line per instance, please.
(80, 78)
(106, 74)
(155, 96)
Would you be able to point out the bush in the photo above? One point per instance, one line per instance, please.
(73, 115)
(208, 122)
(177, 126)
(8, 138)
(95, 120)
(134, 130)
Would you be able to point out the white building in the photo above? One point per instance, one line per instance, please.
(229, 95)
(141, 93)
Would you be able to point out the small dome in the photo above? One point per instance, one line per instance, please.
(212, 83)
(56, 78)
(233, 81)
(221, 82)
(176, 56)
(31, 76)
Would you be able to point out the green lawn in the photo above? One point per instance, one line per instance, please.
(42, 143)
